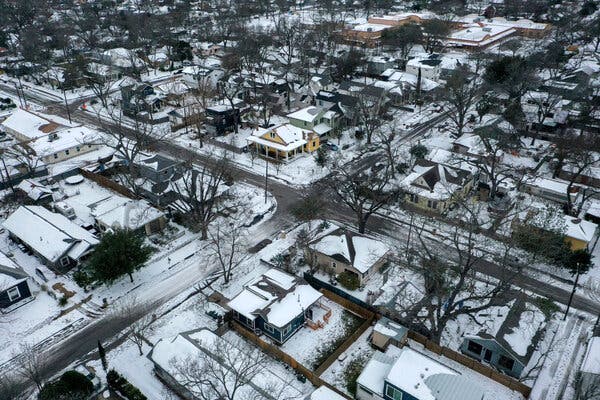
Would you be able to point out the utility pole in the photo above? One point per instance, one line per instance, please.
(266, 178)
(572, 293)
(67, 106)
(19, 95)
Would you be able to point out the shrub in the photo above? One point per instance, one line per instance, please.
(82, 278)
(71, 384)
(352, 372)
(63, 301)
(121, 385)
(349, 280)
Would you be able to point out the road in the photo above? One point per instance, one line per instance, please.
(108, 326)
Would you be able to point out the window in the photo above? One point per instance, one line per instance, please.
(64, 261)
(269, 328)
(13, 293)
(333, 265)
(414, 198)
(286, 330)
(314, 143)
(432, 204)
(506, 362)
(55, 156)
(272, 135)
(393, 393)
(78, 149)
(474, 347)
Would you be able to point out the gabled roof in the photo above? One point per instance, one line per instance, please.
(158, 162)
(359, 251)
(10, 273)
(50, 234)
(276, 296)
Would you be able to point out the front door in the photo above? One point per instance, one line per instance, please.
(487, 357)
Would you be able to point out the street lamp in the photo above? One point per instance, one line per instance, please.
(573, 291)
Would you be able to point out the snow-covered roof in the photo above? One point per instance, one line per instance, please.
(34, 189)
(324, 393)
(359, 251)
(580, 229)
(477, 35)
(277, 296)
(369, 27)
(417, 375)
(122, 213)
(10, 273)
(389, 328)
(434, 181)
(64, 139)
(591, 361)
(50, 234)
(31, 125)
(522, 23)
(307, 114)
(292, 137)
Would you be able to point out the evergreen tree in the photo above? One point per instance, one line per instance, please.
(102, 355)
(119, 252)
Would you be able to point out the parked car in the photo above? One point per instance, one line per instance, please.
(331, 146)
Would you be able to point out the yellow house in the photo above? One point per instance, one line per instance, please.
(283, 142)
(580, 234)
(436, 187)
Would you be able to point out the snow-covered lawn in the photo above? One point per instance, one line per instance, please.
(310, 347)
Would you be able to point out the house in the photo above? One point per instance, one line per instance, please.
(64, 144)
(554, 190)
(138, 98)
(386, 332)
(318, 119)
(344, 251)
(367, 34)
(103, 73)
(201, 77)
(523, 27)
(580, 234)
(15, 284)
(37, 192)
(223, 117)
(430, 66)
(120, 213)
(590, 370)
(158, 168)
(283, 141)
(122, 59)
(436, 187)
(58, 242)
(202, 346)
(508, 344)
(478, 36)
(406, 374)
(276, 304)
(25, 125)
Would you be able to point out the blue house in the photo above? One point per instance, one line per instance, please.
(14, 283)
(276, 304)
(511, 346)
(406, 374)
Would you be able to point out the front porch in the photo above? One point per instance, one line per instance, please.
(275, 153)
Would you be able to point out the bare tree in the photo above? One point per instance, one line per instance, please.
(364, 193)
(460, 93)
(368, 114)
(202, 189)
(386, 138)
(227, 248)
(128, 139)
(11, 388)
(545, 104)
(451, 286)
(222, 371)
(139, 318)
(32, 364)
(586, 387)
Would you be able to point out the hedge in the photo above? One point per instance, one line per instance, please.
(121, 385)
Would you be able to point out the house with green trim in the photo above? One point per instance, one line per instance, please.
(508, 346)
(406, 374)
(275, 304)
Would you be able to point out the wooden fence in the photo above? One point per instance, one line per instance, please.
(107, 183)
(348, 302)
(280, 355)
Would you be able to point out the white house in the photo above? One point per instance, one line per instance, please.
(54, 238)
(64, 144)
(429, 66)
